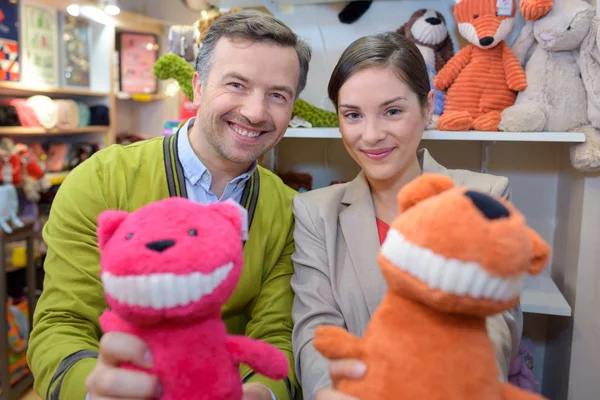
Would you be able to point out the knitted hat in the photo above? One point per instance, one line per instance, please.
(45, 109)
(68, 114)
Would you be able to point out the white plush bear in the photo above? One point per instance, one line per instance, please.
(555, 98)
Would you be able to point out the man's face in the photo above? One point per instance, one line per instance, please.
(245, 106)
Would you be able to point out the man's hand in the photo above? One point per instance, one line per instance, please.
(107, 381)
(256, 391)
(341, 369)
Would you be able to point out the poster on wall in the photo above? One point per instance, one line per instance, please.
(75, 51)
(40, 49)
(9, 40)
(137, 54)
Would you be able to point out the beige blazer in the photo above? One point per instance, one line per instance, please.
(337, 280)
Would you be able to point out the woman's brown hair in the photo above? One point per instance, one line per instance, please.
(382, 50)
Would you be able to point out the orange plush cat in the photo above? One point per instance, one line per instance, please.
(451, 258)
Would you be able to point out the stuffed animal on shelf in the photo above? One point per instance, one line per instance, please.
(167, 269)
(428, 31)
(481, 80)
(561, 79)
(589, 60)
(353, 11)
(451, 258)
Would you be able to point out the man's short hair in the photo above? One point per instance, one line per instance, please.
(255, 26)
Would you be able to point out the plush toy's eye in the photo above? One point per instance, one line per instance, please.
(192, 232)
(129, 236)
(569, 28)
(476, 16)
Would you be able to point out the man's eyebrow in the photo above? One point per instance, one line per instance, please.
(235, 75)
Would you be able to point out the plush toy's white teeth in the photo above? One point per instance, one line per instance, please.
(449, 275)
(163, 290)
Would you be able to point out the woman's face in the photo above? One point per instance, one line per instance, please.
(381, 121)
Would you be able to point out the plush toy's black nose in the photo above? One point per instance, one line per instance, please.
(491, 208)
(433, 21)
(486, 41)
(160, 245)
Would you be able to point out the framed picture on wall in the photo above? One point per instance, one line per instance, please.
(40, 45)
(75, 51)
(9, 41)
(137, 54)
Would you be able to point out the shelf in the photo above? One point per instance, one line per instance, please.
(56, 178)
(19, 89)
(20, 130)
(143, 97)
(565, 137)
(541, 296)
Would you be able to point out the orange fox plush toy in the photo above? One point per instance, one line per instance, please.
(452, 257)
(483, 78)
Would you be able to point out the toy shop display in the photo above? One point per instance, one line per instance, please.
(40, 45)
(9, 41)
(75, 51)
(167, 270)
(439, 294)
(428, 31)
(18, 332)
(183, 41)
(44, 112)
(138, 53)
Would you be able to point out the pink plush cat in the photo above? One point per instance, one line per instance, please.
(167, 270)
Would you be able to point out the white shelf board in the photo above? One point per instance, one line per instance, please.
(565, 137)
(541, 296)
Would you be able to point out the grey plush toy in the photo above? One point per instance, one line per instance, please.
(563, 79)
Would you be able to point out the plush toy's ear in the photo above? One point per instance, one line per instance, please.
(425, 186)
(541, 253)
(108, 222)
(235, 213)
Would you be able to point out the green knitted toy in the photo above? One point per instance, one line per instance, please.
(172, 66)
(315, 115)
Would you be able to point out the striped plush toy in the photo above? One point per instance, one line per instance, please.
(484, 77)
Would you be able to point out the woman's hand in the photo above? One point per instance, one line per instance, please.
(341, 369)
(107, 381)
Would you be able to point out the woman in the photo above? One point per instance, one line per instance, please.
(381, 91)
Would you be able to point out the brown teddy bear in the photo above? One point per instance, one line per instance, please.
(427, 29)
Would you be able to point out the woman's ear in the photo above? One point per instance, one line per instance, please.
(430, 106)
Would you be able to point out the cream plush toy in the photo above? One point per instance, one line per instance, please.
(555, 99)
(586, 156)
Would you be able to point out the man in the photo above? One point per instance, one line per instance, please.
(250, 70)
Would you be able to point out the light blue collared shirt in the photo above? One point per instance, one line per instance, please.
(198, 178)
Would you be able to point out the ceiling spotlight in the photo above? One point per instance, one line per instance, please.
(73, 9)
(111, 8)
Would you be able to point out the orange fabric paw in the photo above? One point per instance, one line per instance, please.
(455, 121)
(532, 10)
(487, 122)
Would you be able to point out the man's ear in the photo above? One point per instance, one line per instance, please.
(108, 222)
(425, 186)
(197, 89)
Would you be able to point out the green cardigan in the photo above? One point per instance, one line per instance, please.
(64, 340)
